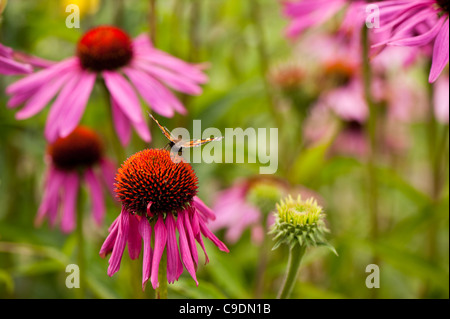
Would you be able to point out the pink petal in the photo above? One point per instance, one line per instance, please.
(121, 240)
(197, 234)
(160, 244)
(11, 67)
(121, 123)
(41, 98)
(440, 53)
(70, 120)
(124, 95)
(186, 256)
(208, 234)
(174, 265)
(146, 233)
(110, 241)
(72, 184)
(134, 239)
(205, 212)
(190, 237)
(96, 193)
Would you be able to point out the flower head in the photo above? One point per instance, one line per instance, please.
(415, 24)
(158, 190)
(73, 160)
(300, 222)
(126, 66)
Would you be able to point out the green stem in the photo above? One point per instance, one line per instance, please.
(296, 254)
(264, 61)
(153, 21)
(80, 243)
(372, 134)
(161, 291)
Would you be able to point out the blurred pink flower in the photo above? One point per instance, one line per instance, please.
(158, 194)
(441, 99)
(417, 23)
(9, 66)
(235, 214)
(110, 53)
(72, 160)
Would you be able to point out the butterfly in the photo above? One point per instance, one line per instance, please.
(179, 144)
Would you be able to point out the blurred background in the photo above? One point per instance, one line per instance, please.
(257, 79)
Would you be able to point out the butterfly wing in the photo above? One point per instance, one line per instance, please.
(197, 143)
(163, 129)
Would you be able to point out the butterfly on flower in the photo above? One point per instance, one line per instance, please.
(178, 144)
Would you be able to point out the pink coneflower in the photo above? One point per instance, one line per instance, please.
(9, 66)
(417, 23)
(158, 191)
(73, 160)
(305, 14)
(125, 66)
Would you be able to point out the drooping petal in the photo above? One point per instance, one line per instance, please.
(146, 233)
(190, 237)
(205, 212)
(96, 192)
(208, 234)
(197, 234)
(120, 243)
(11, 67)
(440, 53)
(186, 256)
(108, 244)
(174, 265)
(134, 238)
(160, 244)
(69, 202)
(54, 181)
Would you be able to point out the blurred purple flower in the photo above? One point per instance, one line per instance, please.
(110, 53)
(441, 99)
(416, 23)
(9, 66)
(73, 160)
(235, 214)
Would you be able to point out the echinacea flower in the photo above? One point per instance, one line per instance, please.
(9, 66)
(158, 191)
(125, 66)
(416, 23)
(72, 160)
(305, 14)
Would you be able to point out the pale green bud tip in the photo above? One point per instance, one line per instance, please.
(300, 222)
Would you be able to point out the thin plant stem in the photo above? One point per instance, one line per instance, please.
(296, 254)
(81, 259)
(372, 135)
(262, 264)
(152, 17)
(264, 60)
(161, 291)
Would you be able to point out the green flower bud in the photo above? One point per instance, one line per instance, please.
(300, 222)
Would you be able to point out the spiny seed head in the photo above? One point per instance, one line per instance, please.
(301, 223)
(82, 148)
(158, 177)
(104, 48)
